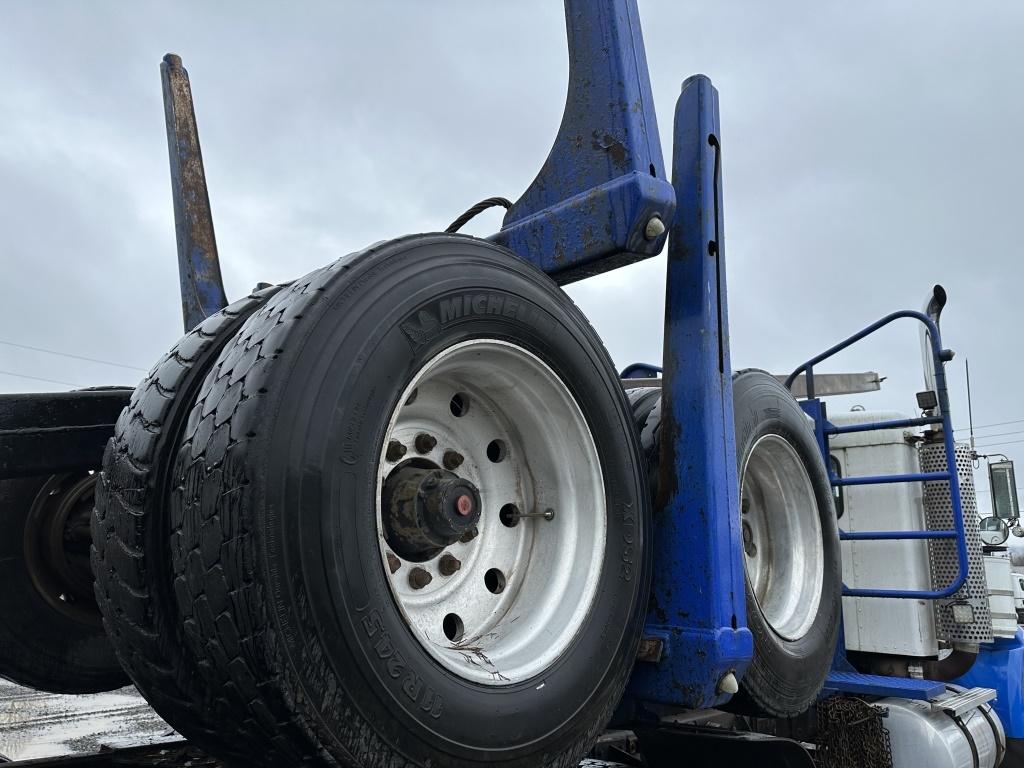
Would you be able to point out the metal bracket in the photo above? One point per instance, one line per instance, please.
(601, 200)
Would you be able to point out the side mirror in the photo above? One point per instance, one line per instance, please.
(994, 531)
(1003, 484)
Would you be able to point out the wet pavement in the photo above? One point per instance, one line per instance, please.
(42, 725)
(103, 730)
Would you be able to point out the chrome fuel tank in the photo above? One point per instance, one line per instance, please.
(954, 731)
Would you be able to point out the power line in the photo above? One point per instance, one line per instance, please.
(1001, 434)
(68, 354)
(993, 445)
(996, 424)
(39, 378)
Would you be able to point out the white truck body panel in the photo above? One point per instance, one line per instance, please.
(904, 627)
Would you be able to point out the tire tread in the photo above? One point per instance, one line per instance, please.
(128, 584)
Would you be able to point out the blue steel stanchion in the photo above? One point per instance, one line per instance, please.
(698, 601)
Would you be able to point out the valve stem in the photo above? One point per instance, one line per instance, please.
(547, 514)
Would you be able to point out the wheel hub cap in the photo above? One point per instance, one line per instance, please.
(425, 510)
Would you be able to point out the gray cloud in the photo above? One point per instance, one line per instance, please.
(870, 150)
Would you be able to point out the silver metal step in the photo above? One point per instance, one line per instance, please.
(825, 384)
(964, 702)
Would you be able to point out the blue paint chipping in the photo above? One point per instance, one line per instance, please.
(604, 179)
(698, 596)
(202, 289)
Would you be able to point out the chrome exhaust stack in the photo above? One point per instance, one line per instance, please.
(933, 309)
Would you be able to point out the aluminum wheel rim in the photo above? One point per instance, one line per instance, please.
(549, 569)
(783, 552)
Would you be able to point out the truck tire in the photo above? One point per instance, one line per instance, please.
(131, 528)
(793, 604)
(51, 636)
(349, 565)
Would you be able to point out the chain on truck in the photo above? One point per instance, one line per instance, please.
(403, 510)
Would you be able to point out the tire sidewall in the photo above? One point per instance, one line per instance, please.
(334, 609)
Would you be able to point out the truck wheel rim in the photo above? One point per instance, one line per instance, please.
(56, 546)
(523, 586)
(782, 546)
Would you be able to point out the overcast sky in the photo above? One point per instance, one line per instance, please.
(871, 149)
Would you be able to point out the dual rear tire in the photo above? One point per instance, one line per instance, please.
(394, 513)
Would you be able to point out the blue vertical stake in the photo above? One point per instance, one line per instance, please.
(698, 604)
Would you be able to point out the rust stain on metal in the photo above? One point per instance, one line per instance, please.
(203, 291)
(616, 149)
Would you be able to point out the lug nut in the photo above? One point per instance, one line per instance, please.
(394, 563)
(748, 541)
(425, 443)
(448, 564)
(419, 578)
(395, 450)
(452, 460)
(469, 535)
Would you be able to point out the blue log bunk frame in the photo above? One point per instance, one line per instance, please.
(602, 200)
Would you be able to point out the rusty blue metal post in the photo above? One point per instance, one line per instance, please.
(698, 603)
(202, 289)
(602, 198)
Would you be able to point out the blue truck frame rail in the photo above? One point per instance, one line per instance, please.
(824, 430)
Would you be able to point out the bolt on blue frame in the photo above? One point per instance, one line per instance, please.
(824, 430)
